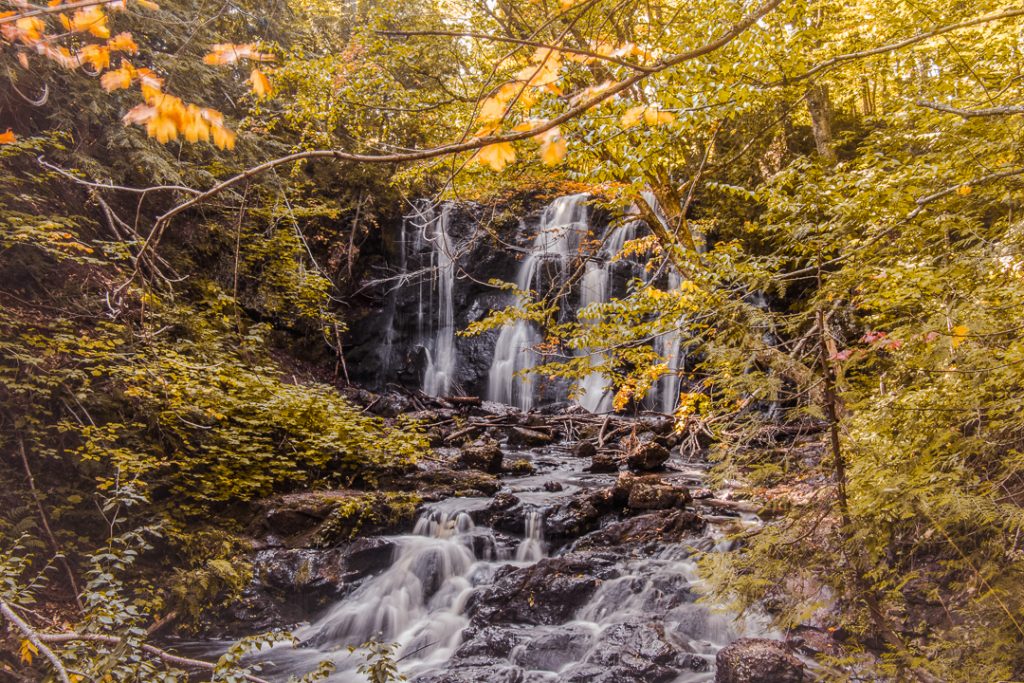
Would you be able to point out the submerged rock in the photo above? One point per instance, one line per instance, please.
(584, 449)
(636, 651)
(649, 492)
(757, 660)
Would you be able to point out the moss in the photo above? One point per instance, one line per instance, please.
(368, 513)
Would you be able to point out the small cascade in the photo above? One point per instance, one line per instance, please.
(532, 548)
(441, 360)
(561, 225)
(665, 392)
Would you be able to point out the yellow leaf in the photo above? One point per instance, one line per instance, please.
(27, 651)
(491, 109)
(632, 116)
(260, 84)
(162, 127)
(147, 4)
(29, 29)
(229, 53)
(964, 190)
(497, 156)
(655, 117)
(553, 152)
(139, 114)
(8, 137)
(959, 335)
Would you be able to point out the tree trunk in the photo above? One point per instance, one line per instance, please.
(820, 109)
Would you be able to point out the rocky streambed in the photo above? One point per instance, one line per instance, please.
(528, 548)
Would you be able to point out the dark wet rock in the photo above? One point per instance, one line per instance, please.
(584, 449)
(496, 409)
(474, 673)
(553, 486)
(649, 492)
(548, 592)
(325, 518)
(757, 660)
(645, 456)
(294, 571)
(553, 650)
(655, 528)
(493, 642)
(639, 651)
(485, 456)
(433, 482)
(603, 463)
(295, 513)
(391, 404)
(571, 519)
(368, 555)
(522, 436)
(504, 513)
(657, 424)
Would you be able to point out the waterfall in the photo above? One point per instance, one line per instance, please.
(561, 225)
(596, 288)
(441, 360)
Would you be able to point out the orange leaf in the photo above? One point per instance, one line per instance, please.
(148, 5)
(118, 78)
(223, 137)
(8, 137)
(260, 84)
(553, 151)
(497, 156)
(92, 20)
(123, 42)
(97, 56)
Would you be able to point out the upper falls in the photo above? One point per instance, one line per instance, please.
(443, 258)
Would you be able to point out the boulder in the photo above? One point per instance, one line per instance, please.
(645, 456)
(658, 528)
(639, 651)
(552, 650)
(649, 492)
(550, 591)
(603, 463)
(485, 456)
(584, 449)
(520, 466)
(522, 436)
(757, 660)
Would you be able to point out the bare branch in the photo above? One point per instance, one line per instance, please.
(1008, 110)
(55, 9)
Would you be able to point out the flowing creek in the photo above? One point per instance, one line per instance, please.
(461, 602)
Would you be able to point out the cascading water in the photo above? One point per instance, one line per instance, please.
(441, 357)
(561, 225)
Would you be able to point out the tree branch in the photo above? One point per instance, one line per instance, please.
(928, 199)
(55, 9)
(163, 655)
(36, 639)
(1008, 110)
(454, 148)
(520, 41)
(892, 47)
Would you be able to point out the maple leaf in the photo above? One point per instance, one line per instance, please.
(553, 152)
(123, 42)
(223, 137)
(491, 109)
(260, 84)
(229, 53)
(118, 79)
(497, 156)
(97, 56)
(8, 137)
(162, 127)
(90, 20)
(656, 117)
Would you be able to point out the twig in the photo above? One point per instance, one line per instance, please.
(1007, 110)
(36, 639)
